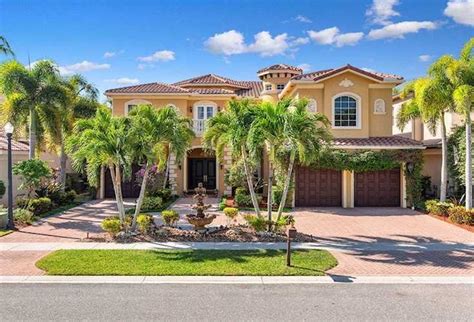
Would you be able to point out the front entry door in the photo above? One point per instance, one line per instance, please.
(202, 170)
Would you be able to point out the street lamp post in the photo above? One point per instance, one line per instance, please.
(9, 131)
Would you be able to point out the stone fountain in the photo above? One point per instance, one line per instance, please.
(200, 219)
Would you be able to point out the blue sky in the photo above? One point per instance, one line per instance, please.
(118, 43)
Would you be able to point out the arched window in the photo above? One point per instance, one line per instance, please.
(379, 106)
(346, 111)
(130, 105)
(312, 106)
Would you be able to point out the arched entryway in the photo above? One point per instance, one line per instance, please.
(201, 166)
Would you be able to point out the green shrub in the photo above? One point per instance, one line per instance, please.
(111, 225)
(461, 215)
(22, 202)
(222, 204)
(438, 208)
(68, 197)
(144, 222)
(231, 212)
(32, 173)
(165, 194)
(277, 194)
(39, 205)
(242, 198)
(2, 188)
(152, 203)
(170, 217)
(23, 216)
(258, 223)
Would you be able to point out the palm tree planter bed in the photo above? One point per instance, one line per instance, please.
(186, 262)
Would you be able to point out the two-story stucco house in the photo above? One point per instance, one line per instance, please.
(358, 104)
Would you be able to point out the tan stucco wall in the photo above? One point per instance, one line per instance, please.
(17, 157)
(432, 166)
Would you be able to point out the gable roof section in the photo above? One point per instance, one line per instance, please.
(155, 88)
(209, 79)
(318, 76)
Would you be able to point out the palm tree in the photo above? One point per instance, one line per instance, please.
(305, 135)
(5, 47)
(103, 141)
(461, 73)
(230, 128)
(156, 134)
(30, 96)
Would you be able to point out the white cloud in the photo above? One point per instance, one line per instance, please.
(266, 45)
(332, 36)
(300, 41)
(382, 10)
(232, 42)
(424, 58)
(123, 81)
(370, 70)
(109, 54)
(227, 43)
(305, 67)
(84, 66)
(400, 29)
(462, 11)
(302, 18)
(162, 55)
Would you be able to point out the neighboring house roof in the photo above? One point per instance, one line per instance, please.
(398, 98)
(323, 74)
(432, 143)
(16, 145)
(380, 142)
(280, 67)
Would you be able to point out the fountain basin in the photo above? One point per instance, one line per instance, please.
(200, 222)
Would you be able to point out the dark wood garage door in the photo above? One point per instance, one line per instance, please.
(377, 188)
(318, 187)
(130, 189)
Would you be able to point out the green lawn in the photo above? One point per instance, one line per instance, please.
(185, 262)
(5, 232)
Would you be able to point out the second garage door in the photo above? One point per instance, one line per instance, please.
(377, 188)
(318, 187)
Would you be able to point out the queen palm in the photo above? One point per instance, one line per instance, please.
(305, 135)
(30, 96)
(230, 129)
(157, 132)
(103, 141)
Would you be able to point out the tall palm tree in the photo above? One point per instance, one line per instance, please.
(103, 141)
(305, 135)
(5, 47)
(30, 95)
(230, 129)
(461, 73)
(157, 132)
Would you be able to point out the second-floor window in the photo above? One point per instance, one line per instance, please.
(280, 87)
(346, 112)
(268, 87)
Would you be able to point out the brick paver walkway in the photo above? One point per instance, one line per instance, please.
(367, 239)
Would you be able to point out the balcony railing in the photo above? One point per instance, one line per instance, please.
(199, 126)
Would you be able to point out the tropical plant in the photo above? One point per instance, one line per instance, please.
(230, 129)
(32, 173)
(5, 47)
(32, 96)
(2, 189)
(103, 141)
(287, 132)
(170, 217)
(23, 216)
(156, 133)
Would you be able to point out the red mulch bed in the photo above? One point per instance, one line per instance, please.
(446, 219)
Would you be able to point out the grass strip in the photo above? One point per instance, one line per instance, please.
(186, 262)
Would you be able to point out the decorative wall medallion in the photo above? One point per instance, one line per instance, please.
(346, 83)
(379, 106)
(312, 106)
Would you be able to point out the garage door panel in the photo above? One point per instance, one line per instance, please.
(377, 188)
(318, 187)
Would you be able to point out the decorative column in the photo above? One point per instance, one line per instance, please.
(173, 173)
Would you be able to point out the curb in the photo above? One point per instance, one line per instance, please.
(259, 280)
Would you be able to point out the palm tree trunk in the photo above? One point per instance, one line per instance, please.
(32, 137)
(444, 162)
(117, 184)
(141, 196)
(269, 194)
(287, 184)
(468, 161)
(248, 175)
(62, 167)
(167, 170)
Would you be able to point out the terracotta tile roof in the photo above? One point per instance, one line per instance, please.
(254, 88)
(210, 91)
(16, 145)
(378, 142)
(209, 79)
(280, 67)
(322, 74)
(160, 88)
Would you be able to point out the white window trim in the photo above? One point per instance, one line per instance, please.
(268, 85)
(384, 107)
(204, 104)
(358, 109)
(134, 102)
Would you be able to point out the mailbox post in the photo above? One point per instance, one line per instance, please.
(291, 234)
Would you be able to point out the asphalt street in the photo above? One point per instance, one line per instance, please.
(230, 302)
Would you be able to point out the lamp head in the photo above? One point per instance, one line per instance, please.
(8, 128)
